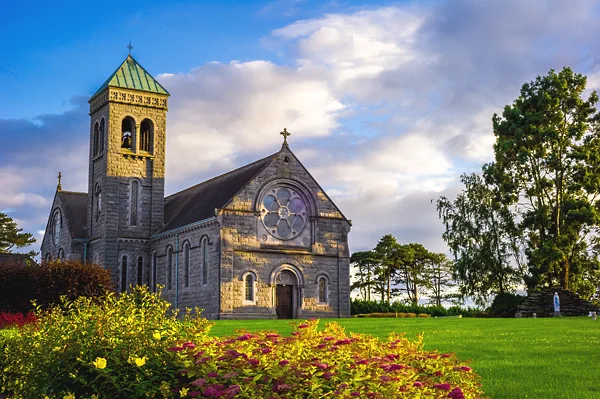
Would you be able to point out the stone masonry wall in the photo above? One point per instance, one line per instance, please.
(244, 248)
(198, 294)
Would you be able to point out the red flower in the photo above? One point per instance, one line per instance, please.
(466, 368)
(212, 374)
(304, 325)
(445, 387)
(175, 348)
(418, 384)
(283, 362)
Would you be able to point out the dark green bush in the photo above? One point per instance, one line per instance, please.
(45, 284)
(505, 305)
(361, 307)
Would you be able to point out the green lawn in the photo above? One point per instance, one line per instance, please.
(517, 358)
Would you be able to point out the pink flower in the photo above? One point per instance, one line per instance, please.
(363, 361)
(295, 333)
(272, 335)
(283, 362)
(281, 387)
(418, 384)
(175, 349)
(466, 368)
(355, 393)
(189, 345)
(244, 337)
(193, 394)
(321, 346)
(343, 386)
(445, 387)
(212, 374)
(304, 325)
(265, 350)
(328, 339)
(322, 366)
(456, 394)
(327, 375)
(342, 341)
(254, 362)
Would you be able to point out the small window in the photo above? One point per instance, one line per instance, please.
(205, 260)
(169, 268)
(154, 268)
(127, 133)
(323, 290)
(186, 264)
(135, 188)
(146, 133)
(140, 271)
(98, 205)
(124, 274)
(101, 138)
(96, 138)
(56, 225)
(61, 255)
(96, 260)
(249, 287)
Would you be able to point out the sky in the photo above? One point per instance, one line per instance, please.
(388, 102)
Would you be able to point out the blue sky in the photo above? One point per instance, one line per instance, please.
(388, 102)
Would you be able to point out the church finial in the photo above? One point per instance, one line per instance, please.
(130, 47)
(285, 135)
(59, 186)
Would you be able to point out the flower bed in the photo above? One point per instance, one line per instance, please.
(313, 364)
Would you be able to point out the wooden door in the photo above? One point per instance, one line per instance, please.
(284, 308)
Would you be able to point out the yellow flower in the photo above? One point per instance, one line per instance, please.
(99, 363)
(156, 335)
(183, 392)
(140, 361)
(69, 396)
(94, 396)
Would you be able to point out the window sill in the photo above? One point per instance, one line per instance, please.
(248, 303)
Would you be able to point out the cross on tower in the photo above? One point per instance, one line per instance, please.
(285, 135)
(130, 47)
(59, 186)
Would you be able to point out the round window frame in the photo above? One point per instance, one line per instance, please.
(295, 193)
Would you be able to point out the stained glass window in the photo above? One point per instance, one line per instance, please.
(283, 213)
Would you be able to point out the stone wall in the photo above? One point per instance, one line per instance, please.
(321, 249)
(197, 294)
(542, 304)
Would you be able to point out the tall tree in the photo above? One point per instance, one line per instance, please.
(439, 275)
(482, 237)
(365, 263)
(387, 252)
(411, 270)
(547, 164)
(11, 236)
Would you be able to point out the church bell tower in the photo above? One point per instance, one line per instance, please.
(126, 171)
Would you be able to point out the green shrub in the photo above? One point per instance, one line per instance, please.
(358, 306)
(114, 347)
(506, 304)
(46, 283)
(316, 364)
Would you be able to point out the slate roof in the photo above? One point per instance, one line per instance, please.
(200, 201)
(131, 75)
(75, 207)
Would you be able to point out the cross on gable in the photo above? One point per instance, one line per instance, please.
(285, 135)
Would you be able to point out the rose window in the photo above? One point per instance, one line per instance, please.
(283, 213)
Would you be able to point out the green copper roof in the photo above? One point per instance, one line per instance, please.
(131, 75)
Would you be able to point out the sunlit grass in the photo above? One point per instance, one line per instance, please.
(517, 358)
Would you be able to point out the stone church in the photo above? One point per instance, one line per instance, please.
(261, 241)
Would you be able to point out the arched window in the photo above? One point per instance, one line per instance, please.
(249, 288)
(96, 259)
(140, 271)
(154, 268)
(204, 246)
(61, 255)
(186, 264)
(98, 204)
(127, 132)
(146, 135)
(323, 289)
(124, 273)
(133, 206)
(95, 141)
(56, 225)
(101, 138)
(48, 257)
(169, 268)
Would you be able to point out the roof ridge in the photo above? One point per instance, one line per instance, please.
(72, 192)
(222, 175)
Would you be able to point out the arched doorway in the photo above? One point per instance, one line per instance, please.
(287, 283)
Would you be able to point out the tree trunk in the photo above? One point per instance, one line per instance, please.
(565, 275)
